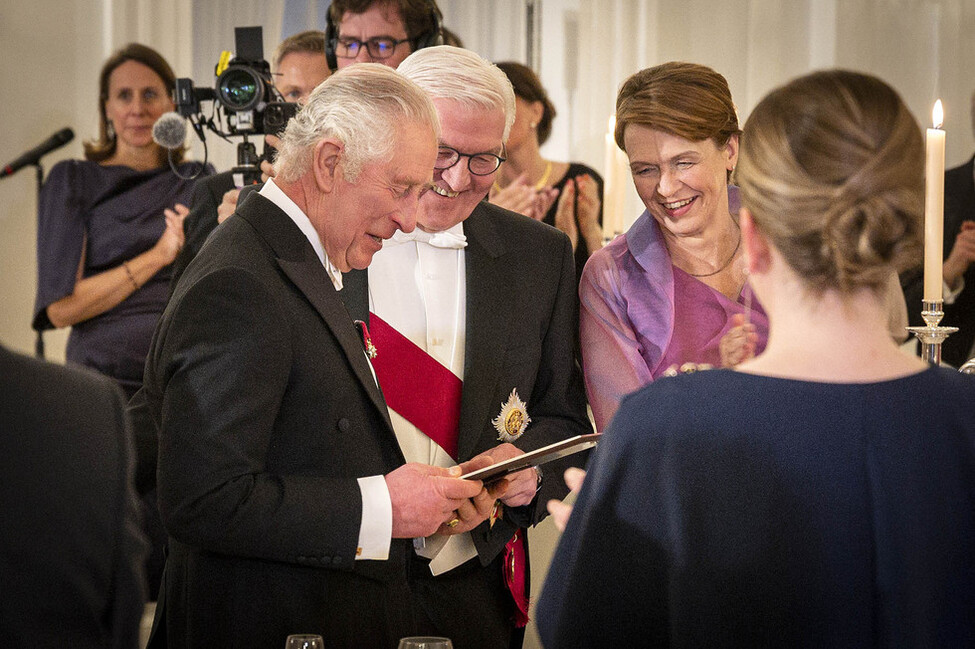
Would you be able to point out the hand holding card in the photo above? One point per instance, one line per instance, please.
(537, 457)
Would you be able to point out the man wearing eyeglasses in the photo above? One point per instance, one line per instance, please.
(473, 320)
(379, 31)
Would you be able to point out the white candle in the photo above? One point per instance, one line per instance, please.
(934, 201)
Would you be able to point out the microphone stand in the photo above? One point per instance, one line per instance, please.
(39, 341)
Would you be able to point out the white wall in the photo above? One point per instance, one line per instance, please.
(46, 50)
(923, 48)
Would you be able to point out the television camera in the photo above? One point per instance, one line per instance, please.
(244, 102)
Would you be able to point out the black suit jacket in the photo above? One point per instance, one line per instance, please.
(202, 220)
(522, 327)
(72, 549)
(203, 217)
(959, 207)
(268, 413)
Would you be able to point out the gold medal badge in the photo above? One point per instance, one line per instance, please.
(513, 419)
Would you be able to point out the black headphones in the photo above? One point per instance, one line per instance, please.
(429, 38)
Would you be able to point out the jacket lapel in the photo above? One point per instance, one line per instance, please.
(298, 261)
(355, 294)
(488, 279)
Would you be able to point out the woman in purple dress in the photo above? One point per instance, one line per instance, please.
(671, 294)
(111, 225)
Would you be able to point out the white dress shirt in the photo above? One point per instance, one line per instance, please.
(417, 285)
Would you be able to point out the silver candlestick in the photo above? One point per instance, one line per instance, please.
(932, 335)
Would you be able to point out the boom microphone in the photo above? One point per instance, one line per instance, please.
(56, 141)
(169, 131)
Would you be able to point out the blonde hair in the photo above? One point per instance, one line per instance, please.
(363, 106)
(831, 167)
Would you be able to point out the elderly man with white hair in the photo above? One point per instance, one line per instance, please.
(474, 320)
(288, 503)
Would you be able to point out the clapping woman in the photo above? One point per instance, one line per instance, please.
(109, 229)
(111, 225)
(823, 493)
(567, 195)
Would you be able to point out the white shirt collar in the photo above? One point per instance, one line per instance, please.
(274, 194)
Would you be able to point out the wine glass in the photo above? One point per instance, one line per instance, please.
(302, 641)
(425, 642)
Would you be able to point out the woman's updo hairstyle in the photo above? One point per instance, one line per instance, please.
(684, 99)
(831, 166)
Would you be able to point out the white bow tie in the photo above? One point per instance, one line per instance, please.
(443, 239)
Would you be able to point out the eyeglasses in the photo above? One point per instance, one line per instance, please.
(479, 164)
(380, 47)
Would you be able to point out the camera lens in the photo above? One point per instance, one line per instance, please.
(277, 115)
(240, 88)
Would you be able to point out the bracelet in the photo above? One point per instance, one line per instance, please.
(128, 271)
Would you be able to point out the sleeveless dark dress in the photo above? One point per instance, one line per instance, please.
(582, 251)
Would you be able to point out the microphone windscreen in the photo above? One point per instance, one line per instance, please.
(169, 131)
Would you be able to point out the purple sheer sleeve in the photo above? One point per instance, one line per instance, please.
(611, 352)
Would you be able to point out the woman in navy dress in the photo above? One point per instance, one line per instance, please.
(109, 228)
(111, 225)
(823, 493)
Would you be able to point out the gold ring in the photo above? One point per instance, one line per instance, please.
(453, 523)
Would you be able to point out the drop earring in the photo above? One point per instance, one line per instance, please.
(110, 130)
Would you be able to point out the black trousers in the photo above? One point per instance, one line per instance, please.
(470, 604)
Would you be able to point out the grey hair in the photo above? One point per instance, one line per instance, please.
(363, 106)
(446, 72)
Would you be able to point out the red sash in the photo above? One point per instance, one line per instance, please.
(515, 575)
(427, 394)
(416, 385)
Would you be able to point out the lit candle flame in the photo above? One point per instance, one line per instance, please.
(938, 114)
